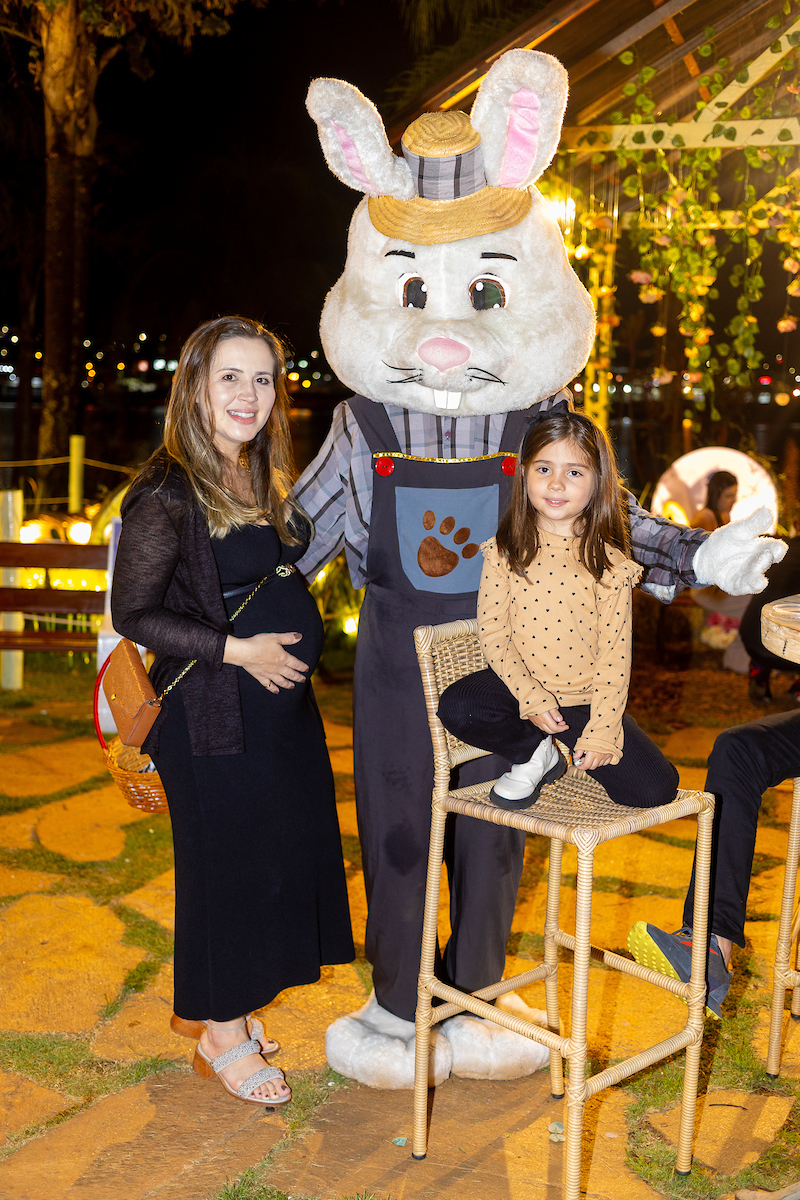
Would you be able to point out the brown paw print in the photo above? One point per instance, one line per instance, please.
(435, 559)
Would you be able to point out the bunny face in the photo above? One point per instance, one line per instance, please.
(481, 325)
(456, 293)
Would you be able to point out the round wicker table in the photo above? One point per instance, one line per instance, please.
(780, 627)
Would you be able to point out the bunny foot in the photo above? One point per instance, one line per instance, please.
(377, 1048)
(485, 1050)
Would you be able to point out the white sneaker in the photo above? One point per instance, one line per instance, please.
(520, 787)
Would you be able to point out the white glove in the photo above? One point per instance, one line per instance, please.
(734, 557)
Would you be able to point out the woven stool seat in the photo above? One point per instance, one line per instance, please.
(574, 810)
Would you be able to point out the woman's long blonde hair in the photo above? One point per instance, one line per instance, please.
(189, 436)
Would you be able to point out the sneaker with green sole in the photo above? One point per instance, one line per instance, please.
(671, 954)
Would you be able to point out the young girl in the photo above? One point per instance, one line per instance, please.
(554, 615)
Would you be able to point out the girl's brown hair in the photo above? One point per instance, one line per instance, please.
(189, 436)
(604, 520)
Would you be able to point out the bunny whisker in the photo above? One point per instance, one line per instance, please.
(482, 374)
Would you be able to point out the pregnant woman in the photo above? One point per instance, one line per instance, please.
(204, 577)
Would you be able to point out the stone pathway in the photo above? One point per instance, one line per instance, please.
(65, 953)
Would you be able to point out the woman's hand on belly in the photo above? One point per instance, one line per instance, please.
(264, 657)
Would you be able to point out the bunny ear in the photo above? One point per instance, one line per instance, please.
(354, 141)
(518, 113)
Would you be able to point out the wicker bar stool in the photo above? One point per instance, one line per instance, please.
(575, 810)
(780, 633)
(785, 971)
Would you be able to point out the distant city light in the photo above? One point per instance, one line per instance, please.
(89, 366)
(351, 625)
(99, 354)
(306, 383)
(142, 364)
(765, 379)
(782, 398)
(4, 329)
(159, 364)
(294, 376)
(315, 353)
(38, 354)
(626, 387)
(303, 363)
(172, 364)
(316, 375)
(120, 366)
(578, 387)
(142, 337)
(14, 339)
(86, 344)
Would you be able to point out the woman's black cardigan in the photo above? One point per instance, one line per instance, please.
(166, 595)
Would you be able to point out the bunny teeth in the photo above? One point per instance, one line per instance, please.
(446, 399)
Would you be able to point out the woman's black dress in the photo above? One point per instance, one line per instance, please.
(260, 893)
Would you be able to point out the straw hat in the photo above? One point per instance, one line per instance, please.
(453, 199)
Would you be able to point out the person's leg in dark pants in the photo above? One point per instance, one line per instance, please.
(481, 711)
(744, 762)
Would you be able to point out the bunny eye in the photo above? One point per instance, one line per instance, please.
(487, 293)
(414, 291)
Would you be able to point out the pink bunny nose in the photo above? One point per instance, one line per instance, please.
(443, 353)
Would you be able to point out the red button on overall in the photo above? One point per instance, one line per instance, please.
(509, 464)
(384, 466)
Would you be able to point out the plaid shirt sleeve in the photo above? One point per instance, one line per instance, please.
(665, 550)
(335, 490)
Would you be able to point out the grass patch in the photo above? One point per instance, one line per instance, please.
(727, 1061)
(65, 1063)
(12, 804)
(625, 887)
(310, 1091)
(146, 854)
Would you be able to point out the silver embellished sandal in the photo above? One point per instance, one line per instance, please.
(196, 1029)
(209, 1067)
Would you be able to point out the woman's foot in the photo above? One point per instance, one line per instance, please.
(217, 1038)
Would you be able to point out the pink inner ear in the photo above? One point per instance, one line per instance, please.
(523, 139)
(353, 159)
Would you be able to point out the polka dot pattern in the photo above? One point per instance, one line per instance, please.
(560, 637)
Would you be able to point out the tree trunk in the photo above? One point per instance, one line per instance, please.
(68, 79)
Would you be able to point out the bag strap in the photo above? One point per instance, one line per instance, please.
(283, 571)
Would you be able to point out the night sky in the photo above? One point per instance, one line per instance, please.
(212, 194)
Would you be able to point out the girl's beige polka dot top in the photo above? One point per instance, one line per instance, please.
(560, 637)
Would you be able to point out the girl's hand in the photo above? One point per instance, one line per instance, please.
(266, 660)
(590, 760)
(550, 722)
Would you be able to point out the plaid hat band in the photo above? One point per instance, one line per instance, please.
(447, 178)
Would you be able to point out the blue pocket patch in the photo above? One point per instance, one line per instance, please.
(440, 531)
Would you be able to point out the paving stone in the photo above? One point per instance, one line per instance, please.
(141, 1028)
(642, 860)
(174, 1138)
(299, 1017)
(790, 1042)
(156, 899)
(88, 827)
(691, 779)
(690, 743)
(340, 747)
(735, 1128)
(14, 881)
(348, 823)
(487, 1139)
(23, 1102)
(16, 829)
(43, 769)
(62, 961)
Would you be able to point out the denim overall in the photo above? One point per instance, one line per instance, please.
(424, 566)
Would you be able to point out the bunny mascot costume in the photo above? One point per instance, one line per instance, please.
(457, 313)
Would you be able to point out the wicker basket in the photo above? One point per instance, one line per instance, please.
(131, 770)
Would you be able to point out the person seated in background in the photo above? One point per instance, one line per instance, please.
(721, 496)
(745, 761)
(724, 611)
(783, 580)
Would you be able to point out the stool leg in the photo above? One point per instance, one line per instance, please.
(551, 961)
(796, 957)
(697, 992)
(783, 949)
(419, 1141)
(576, 1053)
